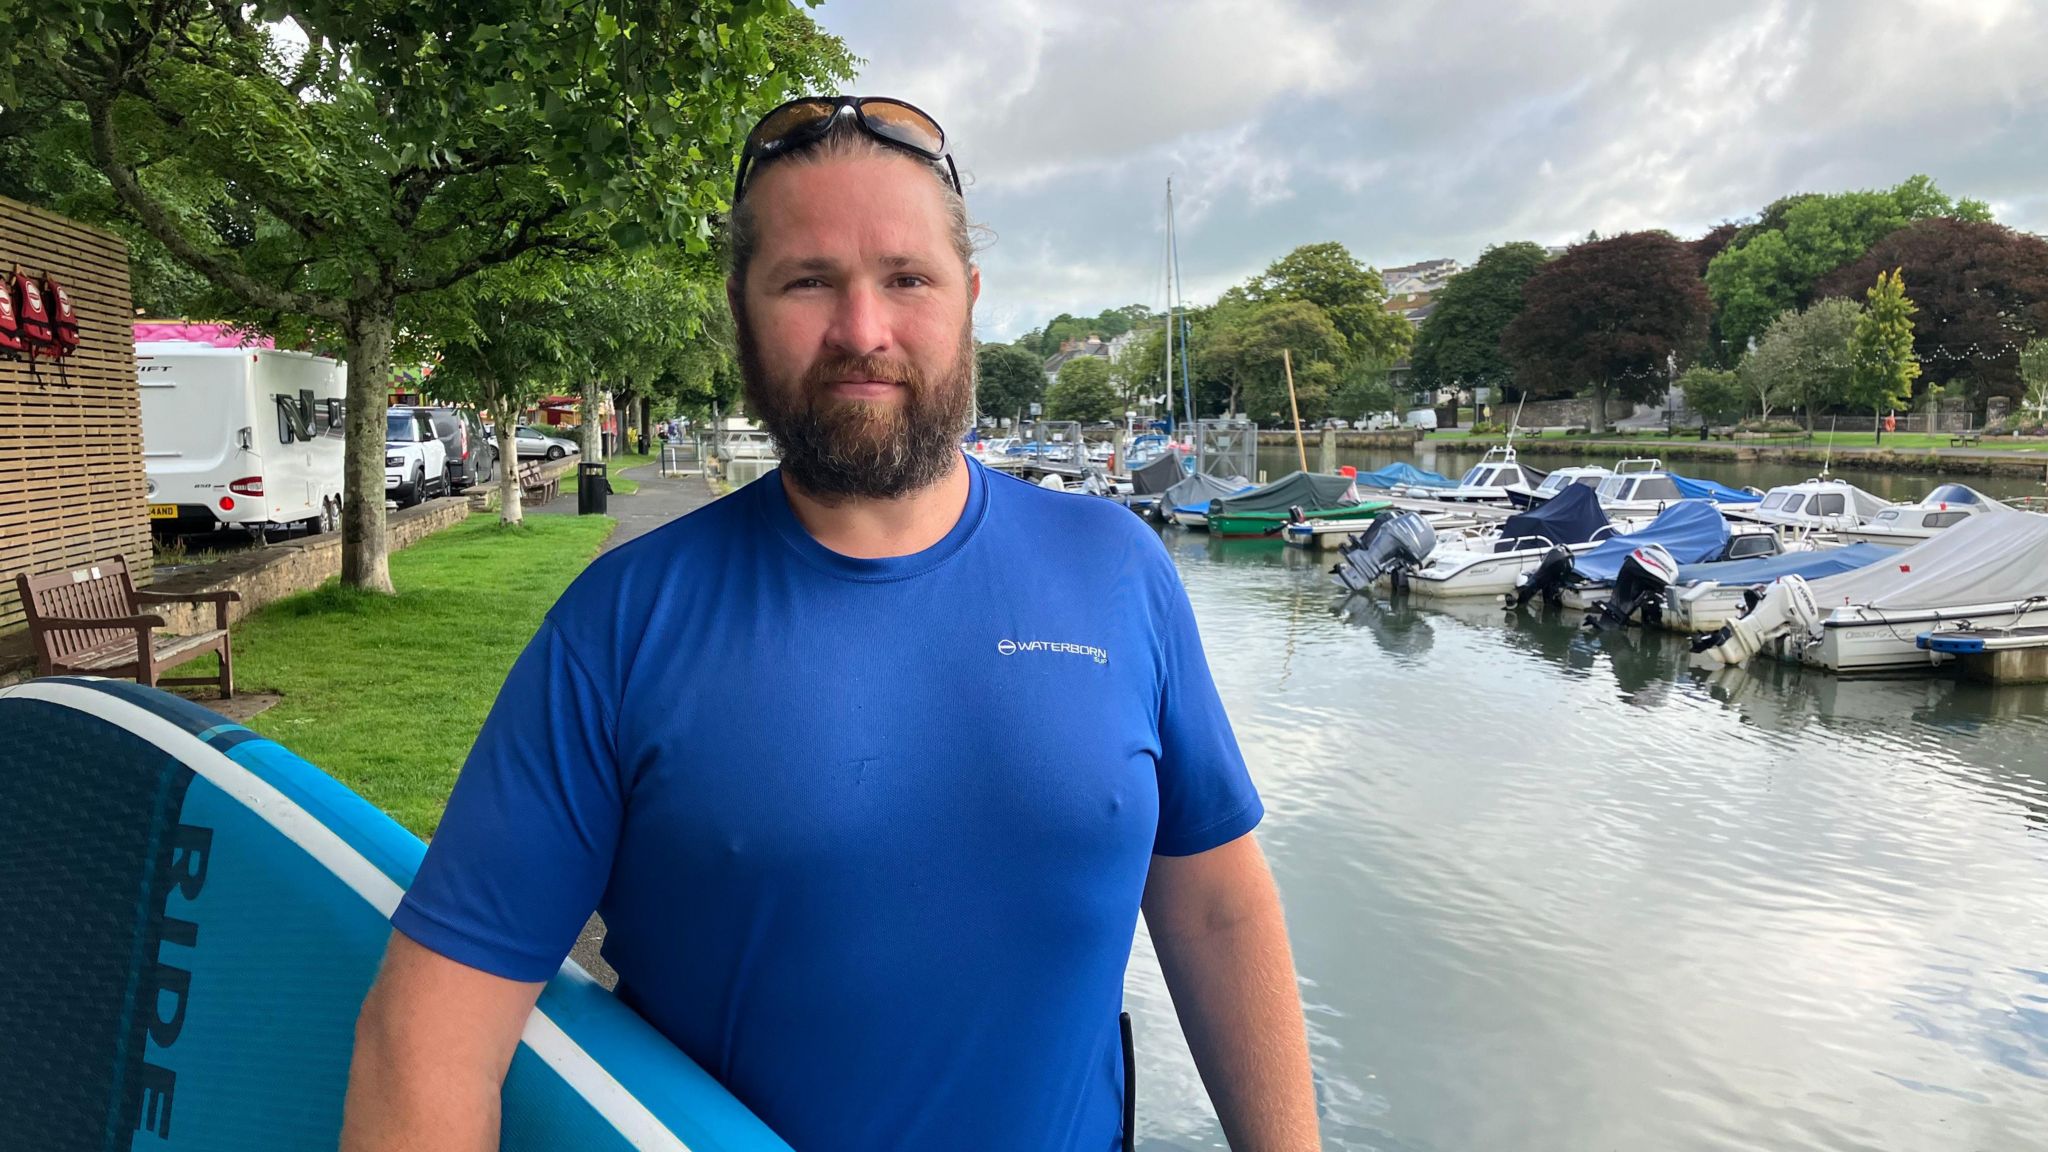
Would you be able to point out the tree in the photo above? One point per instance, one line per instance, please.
(2034, 371)
(1349, 293)
(1083, 392)
(1608, 316)
(1139, 373)
(1803, 358)
(1715, 393)
(1007, 380)
(404, 149)
(1363, 387)
(511, 352)
(1247, 350)
(1981, 289)
(1775, 263)
(1882, 364)
(1459, 344)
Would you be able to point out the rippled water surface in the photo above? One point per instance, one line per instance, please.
(1552, 891)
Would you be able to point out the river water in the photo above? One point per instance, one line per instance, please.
(1549, 891)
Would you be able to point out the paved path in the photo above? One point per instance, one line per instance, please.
(659, 500)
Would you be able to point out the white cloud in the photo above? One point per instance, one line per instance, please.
(1419, 130)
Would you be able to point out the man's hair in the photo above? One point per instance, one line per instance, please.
(843, 141)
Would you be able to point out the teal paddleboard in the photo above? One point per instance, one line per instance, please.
(192, 917)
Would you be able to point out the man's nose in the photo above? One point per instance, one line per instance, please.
(860, 323)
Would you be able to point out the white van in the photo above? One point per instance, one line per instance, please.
(1424, 418)
(246, 438)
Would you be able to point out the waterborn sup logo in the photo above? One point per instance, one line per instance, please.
(1013, 647)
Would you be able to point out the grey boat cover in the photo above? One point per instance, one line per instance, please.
(1983, 560)
(1304, 489)
(1158, 476)
(1196, 491)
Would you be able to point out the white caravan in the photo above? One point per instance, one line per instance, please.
(244, 438)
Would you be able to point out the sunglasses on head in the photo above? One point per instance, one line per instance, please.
(806, 121)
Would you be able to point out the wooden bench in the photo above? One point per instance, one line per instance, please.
(1965, 438)
(91, 621)
(534, 487)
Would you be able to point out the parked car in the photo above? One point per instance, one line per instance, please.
(470, 455)
(534, 442)
(1334, 422)
(415, 463)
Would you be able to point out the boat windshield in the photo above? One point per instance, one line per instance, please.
(1610, 488)
(1471, 478)
(1590, 481)
(1775, 501)
(1950, 494)
(1554, 482)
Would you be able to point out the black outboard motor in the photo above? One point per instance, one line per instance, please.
(1548, 579)
(1394, 543)
(1639, 587)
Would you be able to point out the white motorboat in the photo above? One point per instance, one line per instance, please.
(1704, 597)
(1486, 482)
(1986, 573)
(1904, 525)
(1491, 565)
(1820, 505)
(1590, 475)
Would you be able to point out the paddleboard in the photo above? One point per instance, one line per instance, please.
(190, 916)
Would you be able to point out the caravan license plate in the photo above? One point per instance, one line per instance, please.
(162, 511)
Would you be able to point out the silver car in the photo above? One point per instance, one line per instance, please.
(535, 444)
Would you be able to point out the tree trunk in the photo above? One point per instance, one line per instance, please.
(1599, 418)
(645, 412)
(593, 430)
(505, 414)
(364, 560)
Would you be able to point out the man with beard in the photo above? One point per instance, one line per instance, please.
(869, 767)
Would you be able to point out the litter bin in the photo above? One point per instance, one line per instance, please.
(591, 489)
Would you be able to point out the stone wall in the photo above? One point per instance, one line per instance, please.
(266, 575)
(1575, 412)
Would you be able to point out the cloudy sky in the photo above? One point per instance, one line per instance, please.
(1434, 127)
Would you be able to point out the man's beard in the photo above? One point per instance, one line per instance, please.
(837, 449)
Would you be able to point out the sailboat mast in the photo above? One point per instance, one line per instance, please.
(1187, 395)
(1169, 305)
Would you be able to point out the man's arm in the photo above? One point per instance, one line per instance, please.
(432, 1045)
(1216, 923)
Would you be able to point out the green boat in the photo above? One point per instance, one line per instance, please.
(1269, 524)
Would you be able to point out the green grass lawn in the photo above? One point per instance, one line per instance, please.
(1895, 441)
(621, 485)
(386, 693)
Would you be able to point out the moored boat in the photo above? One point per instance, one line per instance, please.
(1270, 524)
(1904, 525)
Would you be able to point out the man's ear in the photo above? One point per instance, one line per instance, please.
(732, 296)
(973, 284)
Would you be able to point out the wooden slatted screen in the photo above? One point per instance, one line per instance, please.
(72, 489)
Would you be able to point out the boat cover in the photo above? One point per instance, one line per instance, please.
(1158, 476)
(1764, 569)
(1691, 530)
(1401, 474)
(1196, 491)
(1573, 516)
(1304, 489)
(1943, 495)
(1983, 560)
(1692, 489)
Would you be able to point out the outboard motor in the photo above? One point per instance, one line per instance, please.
(1394, 543)
(1548, 579)
(1639, 587)
(1787, 609)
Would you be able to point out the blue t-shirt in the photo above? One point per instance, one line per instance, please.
(868, 836)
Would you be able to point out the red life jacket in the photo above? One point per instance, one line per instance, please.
(10, 332)
(31, 318)
(63, 319)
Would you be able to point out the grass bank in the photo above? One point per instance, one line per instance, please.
(386, 693)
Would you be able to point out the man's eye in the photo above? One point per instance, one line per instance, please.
(911, 281)
(806, 282)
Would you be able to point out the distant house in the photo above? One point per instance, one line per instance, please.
(1416, 279)
(1413, 307)
(1074, 349)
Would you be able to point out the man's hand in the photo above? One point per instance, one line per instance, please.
(1216, 923)
(432, 1046)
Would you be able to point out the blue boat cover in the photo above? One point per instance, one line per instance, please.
(1401, 474)
(1764, 569)
(1691, 530)
(1693, 489)
(1573, 516)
